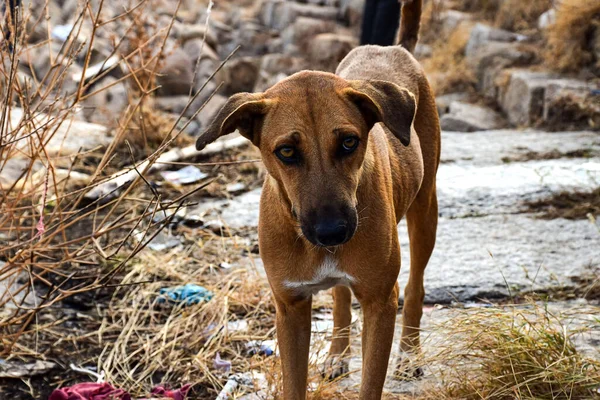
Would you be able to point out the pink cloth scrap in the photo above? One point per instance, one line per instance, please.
(178, 394)
(105, 391)
(90, 391)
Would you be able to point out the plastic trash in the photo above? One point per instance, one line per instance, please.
(220, 364)
(261, 347)
(186, 175)
(232, 384)
(188, 294)
(160, 242)
(61, 32)
(238, 325)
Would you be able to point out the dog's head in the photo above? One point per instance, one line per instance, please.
(312, 130)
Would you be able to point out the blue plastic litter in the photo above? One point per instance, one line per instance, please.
(261, 347)
(188, 294)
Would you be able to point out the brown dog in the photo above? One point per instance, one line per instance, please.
(347, 155)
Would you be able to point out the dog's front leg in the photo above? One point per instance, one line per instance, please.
(293, 336)
(377, 337)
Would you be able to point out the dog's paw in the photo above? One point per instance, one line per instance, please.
(407, 370)
(334, 367)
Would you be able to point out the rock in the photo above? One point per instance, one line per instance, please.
(275, 67)
(240, 75)
(297, 35)
(596, 47)
(192, 128)
(443, 102)
(423, 51)
(68, 136)
(275, 46)
(176, 74)
(205, 62)
(451, 19)
(496, 147)
(523, 101)
(277, 14)
(201, 97)
(351, 11)
(482, 34)
(38, 60)
(490, 60)
(252, 38)
(19, 370)
(222, 30)
(570, 104)
(185, 32)
(464, 117)
(269, 80)
(13, 170)
(106, 106)
(541, 97)
(211, 109)
(217, 227)
(273, 63)
(328, 49)
(171, 104)
(329, 3)
(546, 19)
(195, 50)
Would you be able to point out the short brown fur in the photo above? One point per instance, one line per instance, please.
(381, 96)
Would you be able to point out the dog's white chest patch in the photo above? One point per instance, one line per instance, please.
(326, 276)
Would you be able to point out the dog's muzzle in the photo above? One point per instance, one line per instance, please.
(328, 228)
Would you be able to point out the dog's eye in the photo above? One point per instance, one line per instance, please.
(286, 154)
(349, 144)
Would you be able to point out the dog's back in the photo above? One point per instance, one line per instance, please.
(396, 64)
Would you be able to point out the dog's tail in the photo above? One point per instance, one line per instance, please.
(410, 22)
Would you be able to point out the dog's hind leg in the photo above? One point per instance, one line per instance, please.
(337, 364)
(421, 218)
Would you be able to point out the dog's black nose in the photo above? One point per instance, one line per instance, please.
(331, 233)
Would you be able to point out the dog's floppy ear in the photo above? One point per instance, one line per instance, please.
(242, 111)
(386, 102)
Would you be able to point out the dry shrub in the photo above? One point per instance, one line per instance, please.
(573, 111)
(447, 67)
(518, 15)
(56, 243)
(485, 9)
(515, 353)
(570, 37)
(431, 21)
(507, 14)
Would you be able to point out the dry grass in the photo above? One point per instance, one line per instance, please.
(569, 39)
(517, 352)
(517, 15)
(569, 205)
(484, 9)
(447, 68)
(431, 21)
(512, 15)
